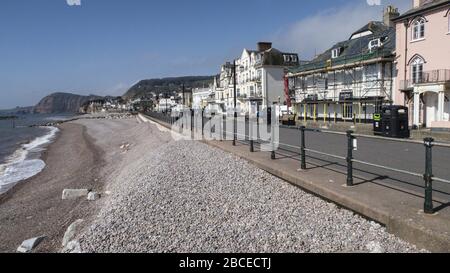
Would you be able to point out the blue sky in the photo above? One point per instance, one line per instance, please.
(104, 46)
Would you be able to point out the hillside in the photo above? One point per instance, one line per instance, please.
(166, 85)
(62, 103)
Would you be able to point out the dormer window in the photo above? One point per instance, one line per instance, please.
(418, 30)
(374, 44)
(335, 53)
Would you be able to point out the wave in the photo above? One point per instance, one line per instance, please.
(19, 166)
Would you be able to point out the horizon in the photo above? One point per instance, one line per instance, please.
(105, 47)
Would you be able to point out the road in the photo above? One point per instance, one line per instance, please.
(399, 155)
(386, 152)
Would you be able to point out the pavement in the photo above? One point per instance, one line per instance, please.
(395, 200)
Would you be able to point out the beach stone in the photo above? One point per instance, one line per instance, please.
(375, 247)
(71, 232)
(72, 247)
(73, 194)
(30, 244)
(93, 196)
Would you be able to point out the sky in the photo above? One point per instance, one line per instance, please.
(103, 47)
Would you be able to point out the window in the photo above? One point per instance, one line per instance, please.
(417, 70)
(335, 53)
(347, 110)
(374, 44)
(418, 30)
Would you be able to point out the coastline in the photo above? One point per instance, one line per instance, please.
(33, 207)
(162, 195)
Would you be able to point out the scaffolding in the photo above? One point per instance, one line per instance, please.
(346, 88)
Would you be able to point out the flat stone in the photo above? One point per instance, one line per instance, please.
(74, 193)
(93, 196)
(71, 232)
(30, 244)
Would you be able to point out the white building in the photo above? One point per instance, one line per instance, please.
(166, 104)
(259, 78)
(200, 97)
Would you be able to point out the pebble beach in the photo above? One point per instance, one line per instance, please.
(161, 195)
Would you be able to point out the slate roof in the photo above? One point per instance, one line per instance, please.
(353, 50)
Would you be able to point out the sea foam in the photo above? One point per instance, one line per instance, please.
(19, 166)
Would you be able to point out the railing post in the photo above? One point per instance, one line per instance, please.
(250, 130)
(350, 158)
(428, 176)
(224, 121)
(203, 122)
(235, 128)
(272, 141)
(192, 124)
(303, 147)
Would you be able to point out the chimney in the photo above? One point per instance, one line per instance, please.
(263, 46)
(390, 13)
(417, 3)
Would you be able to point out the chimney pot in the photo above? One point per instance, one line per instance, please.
(263, 46)
(390, 14)
(417, 3)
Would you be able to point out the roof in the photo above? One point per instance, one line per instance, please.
(357, 49)
(274, 57)
(427, 5)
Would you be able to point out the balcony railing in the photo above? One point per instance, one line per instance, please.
(434, 76)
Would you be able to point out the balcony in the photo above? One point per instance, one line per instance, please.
(428, 77)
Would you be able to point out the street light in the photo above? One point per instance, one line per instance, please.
(234, 66)
(235, 104)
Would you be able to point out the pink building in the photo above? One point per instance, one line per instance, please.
(423, 62)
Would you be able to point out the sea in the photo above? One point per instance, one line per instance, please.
(21, 146)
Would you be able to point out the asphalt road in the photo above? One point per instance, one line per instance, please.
(399, 155)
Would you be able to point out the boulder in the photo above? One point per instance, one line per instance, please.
(30, 244)
(93, 196)
(74, 194)
(71, 232)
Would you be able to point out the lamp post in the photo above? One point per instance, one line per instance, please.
(184, 96)
(235, 104)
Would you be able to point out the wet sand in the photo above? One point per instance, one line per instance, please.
(34, 207)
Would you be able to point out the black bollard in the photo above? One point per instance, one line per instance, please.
(350, 158)
(428, 176)
(303, 147)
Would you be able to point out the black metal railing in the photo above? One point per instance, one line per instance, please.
(351, 144)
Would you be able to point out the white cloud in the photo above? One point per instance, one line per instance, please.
(318, 32)
(373, 2)
(73, 2)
